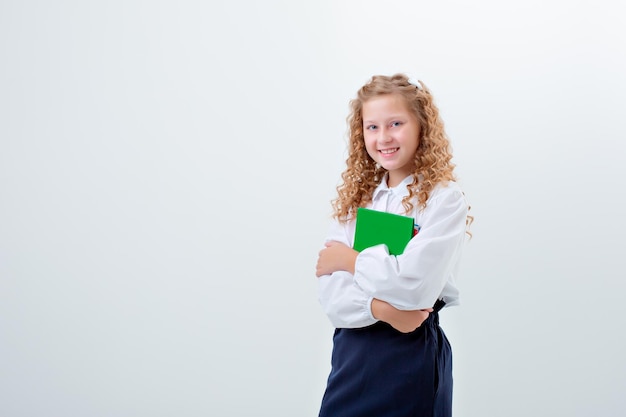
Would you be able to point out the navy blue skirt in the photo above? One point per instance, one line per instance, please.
(379, 371)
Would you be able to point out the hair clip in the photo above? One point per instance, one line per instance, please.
(416, 83)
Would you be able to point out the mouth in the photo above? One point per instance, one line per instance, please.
(388, 151)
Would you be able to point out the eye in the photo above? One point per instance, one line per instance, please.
(396, 124)
(371, 127)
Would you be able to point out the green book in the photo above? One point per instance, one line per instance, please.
(375, 227)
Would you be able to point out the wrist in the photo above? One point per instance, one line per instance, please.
(351, 261)
(379, 309)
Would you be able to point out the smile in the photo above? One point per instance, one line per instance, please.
(388, 151)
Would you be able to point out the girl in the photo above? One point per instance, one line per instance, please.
(390, 357)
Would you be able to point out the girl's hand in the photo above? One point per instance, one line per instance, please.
(401, 320)
(336, 256)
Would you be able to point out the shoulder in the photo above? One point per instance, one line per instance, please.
(449, 190)
(446, 198)
(446, 204)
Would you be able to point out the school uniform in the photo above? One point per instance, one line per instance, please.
(377, 370)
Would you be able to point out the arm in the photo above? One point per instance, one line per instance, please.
(339, 260)
(401, 320)
(415, 279)
(345, 304)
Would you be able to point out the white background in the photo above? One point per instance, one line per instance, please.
(166, 169)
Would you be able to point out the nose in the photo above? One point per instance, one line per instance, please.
(385, 135)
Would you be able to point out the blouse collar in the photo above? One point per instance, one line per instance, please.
(401, 190)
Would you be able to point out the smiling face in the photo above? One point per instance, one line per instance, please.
(391, 134)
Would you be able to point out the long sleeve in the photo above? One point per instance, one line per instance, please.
(345, 304)
(416, 278)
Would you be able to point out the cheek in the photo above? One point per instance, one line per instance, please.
(370, 147)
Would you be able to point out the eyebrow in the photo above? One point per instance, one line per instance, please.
(393, 117)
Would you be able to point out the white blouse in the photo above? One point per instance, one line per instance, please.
(424, 272)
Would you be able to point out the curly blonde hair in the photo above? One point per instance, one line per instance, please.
(432, 158)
